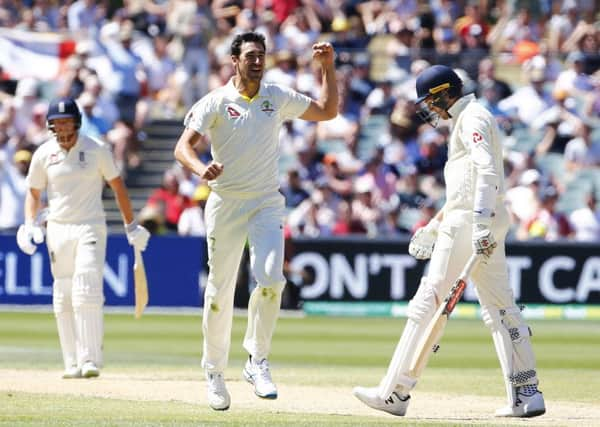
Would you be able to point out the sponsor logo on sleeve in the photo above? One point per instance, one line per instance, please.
(232, 111)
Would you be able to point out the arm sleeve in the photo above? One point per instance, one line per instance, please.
(202, 115)
(293, 104)
(106, 163)
(477, 134)
(36, 177)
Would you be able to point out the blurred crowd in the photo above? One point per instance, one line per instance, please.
(374, 170)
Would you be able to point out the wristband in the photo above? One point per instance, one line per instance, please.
(131, 227)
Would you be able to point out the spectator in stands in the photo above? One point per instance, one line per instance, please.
(487, 75)
(85, 16)
(24, 102)
(522, 27)
(399, 49)
(474, 50)
(346, 223)
(191, 222)
(91, 124)
(522, 200)
(37, 132)
(410, 196)
(364, 205)
(559, 123)
(381, 100)
(152, 218)
(585, 221)
(562, 23)
(359, 87)
(104, 106)
(573, 80)
(126, 86)
(169, 197)
(293, 189)
(47, 13)
(548, 224)
(159, 67)
(385, 176)
(428, 210)
(193, 25)
(338, 181)
(13, 188)
(285, 69)
(301, 28)
(582, 152)
(433, 153)
(529, 101)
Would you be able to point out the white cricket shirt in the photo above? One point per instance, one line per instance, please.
(244, 134)
(73, 179)
(474, 148)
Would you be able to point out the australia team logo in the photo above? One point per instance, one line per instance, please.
(267, 108)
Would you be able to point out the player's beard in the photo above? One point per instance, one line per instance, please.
(253, 75)
(66, 139)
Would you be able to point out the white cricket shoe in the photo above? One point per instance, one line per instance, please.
(529, 403)
(89, 370)
(396, 404)
(72, 372)
(258, 374)
(217, 394)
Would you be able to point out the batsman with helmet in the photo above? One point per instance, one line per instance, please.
(72, 168)
(473, 220)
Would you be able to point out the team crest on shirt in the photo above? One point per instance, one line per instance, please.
(267, 108)
(232, 111)
(55, 158)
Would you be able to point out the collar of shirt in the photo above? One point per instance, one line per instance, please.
(460, 105)
(232, 91)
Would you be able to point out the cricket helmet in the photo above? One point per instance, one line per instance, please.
(63, 108)
(436, 79)
(436, 85)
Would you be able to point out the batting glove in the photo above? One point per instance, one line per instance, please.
(28, 232)
(483, 240)
(137, 236)
(422, 242)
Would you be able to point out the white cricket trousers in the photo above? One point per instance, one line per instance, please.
(230, 221)
(77, 253)
(500, 313)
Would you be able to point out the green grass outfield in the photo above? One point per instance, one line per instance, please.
(311, 352)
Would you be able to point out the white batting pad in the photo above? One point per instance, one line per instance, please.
(65, 323)
(420, 311)
(513, 346)
(87, 305)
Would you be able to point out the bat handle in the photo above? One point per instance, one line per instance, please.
(473, 261)
(138, 256)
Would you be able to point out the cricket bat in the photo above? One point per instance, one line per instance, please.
(140, 284)
(430, 338)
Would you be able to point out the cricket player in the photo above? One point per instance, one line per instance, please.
(72, 169)
(473, 219)
(242, 120)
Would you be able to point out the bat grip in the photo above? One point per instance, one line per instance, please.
(471, 263)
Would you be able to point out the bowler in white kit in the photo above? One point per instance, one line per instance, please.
(72, 169)
(242, 121)
(473, 220)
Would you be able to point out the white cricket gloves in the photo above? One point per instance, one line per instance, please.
(422, 242)
(137, 236)
(29, 235)
(483, 240)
